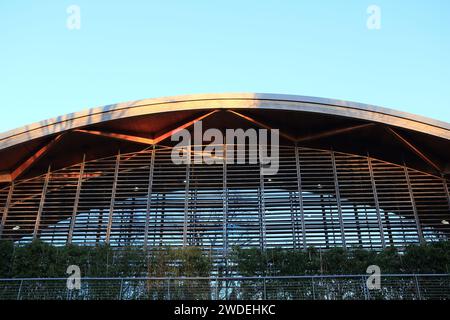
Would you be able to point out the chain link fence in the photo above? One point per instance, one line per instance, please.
(329, 287)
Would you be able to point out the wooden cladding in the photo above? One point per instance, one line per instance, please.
(317, 198)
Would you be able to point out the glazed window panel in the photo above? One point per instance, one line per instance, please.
(320, 205)
(58, 207)
(131, 197)
(23, 210)
(281, 204)
(397, 215)
(358, 202)
(167, 201)
(431, 200)
(95, 197)
(335, 195)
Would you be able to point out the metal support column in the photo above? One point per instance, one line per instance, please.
(413, 203)
(149, 196)
(162, 217)
(113, 199)
(300, 197)
(186, 198)
(377, 204)
(387, 220)
(447, 191)
(262, 210)
(194, 237)
(225, 202)
(358, 226)
(338, 200)
(325, 223)
(293, 221)
(6, 209)
(41, 204)
(77, 200)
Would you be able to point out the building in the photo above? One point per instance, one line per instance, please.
(349, 175)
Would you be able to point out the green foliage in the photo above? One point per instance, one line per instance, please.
(389, 260)
(335, 261)
(359, 260)
(6, 256)
(179, 262)
(429, 258)
(433, 258)
(41, 260)
(37, 259)
(170, 265)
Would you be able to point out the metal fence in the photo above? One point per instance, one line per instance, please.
(325, 287)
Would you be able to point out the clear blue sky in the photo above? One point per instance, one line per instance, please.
(128, 50)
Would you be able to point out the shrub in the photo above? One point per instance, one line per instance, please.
(41, 260)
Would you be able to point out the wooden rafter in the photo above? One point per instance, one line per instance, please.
(34, 158)
(142, 140)
(166, 135)
(5, 177)
(415, 149)
(333, 132)
(261, 124)
(118, 136)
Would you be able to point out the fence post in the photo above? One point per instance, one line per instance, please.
(226, 289)
(168, 289)
(20, 290)
(365, 288)
(68, 295)
(121, 288)
(217, 288)
(419, 295)
(265, 292)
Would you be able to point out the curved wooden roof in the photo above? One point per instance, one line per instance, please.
(225, 101)
(17, 145)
